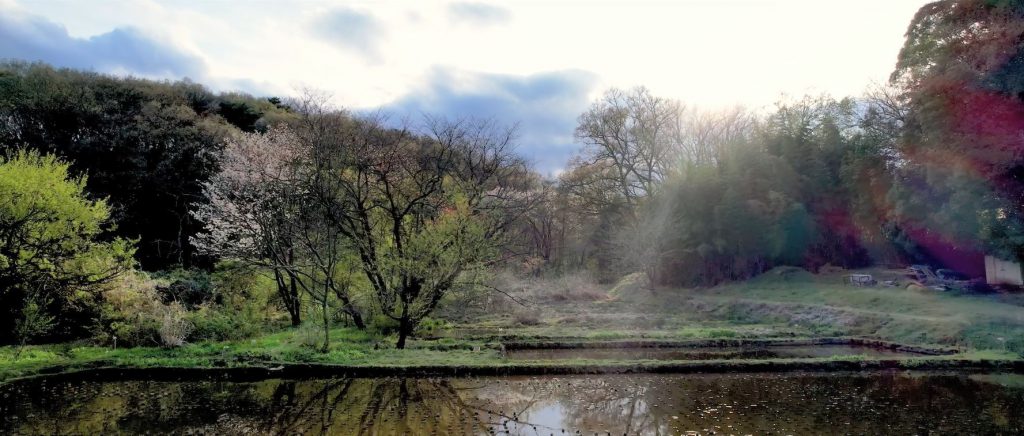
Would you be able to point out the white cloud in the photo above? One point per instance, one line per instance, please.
(478, 13)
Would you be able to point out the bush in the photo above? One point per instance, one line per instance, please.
(432, 327)
(234, 302)
(577, 287)
(568, 287)
(174, 327)
(247, 295)
(190, 288)
(309, 336)
(34, 322)
(382, 324)
(230, 304)
(527, 316)
(217, 323)
(128, 312)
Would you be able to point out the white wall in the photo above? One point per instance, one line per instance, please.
(1002, 272)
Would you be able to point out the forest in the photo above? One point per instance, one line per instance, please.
(140, 213)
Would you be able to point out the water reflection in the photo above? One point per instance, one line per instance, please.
(698, 353)
(617, 404)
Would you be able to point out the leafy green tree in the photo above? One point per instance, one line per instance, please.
(52, 256)
(34, 322)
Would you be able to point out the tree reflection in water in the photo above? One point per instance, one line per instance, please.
(616, 404)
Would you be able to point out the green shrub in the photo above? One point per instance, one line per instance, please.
(527, 316)
(382, 324)
(128, 314)
(432, 327)
(218, 323)
(188, 287)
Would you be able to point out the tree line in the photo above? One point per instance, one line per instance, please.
(924, 169)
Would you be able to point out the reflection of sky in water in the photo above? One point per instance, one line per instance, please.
(550, 415)
(794, 403)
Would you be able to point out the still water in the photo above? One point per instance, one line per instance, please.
(708, 353)
(795, 403)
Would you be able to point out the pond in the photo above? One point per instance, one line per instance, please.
(709, 353)
(791, 403)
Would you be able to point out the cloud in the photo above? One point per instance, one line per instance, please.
(478, 13)
(120, 51)
(353, 30)
(545, 105)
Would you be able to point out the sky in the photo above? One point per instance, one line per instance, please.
(536, 63)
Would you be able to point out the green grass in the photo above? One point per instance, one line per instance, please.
(281, 348)
(897, 314)
(786, 304)
(794, 305)
(348, 347)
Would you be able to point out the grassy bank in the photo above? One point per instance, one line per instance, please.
(354, 352)
(780, 305)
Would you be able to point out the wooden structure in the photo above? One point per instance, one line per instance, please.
(860, 280)
(1003, 272)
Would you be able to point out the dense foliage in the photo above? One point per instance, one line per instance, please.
(147, 146)
(961, 71)
(726, 195)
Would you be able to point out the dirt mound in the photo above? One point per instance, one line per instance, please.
(629, 285)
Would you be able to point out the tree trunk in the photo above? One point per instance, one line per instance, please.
(357, 319)
(289, 293)
(295, 305)
(327, 324)
(404, 330)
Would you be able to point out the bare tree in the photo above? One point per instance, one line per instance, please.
(702, 135)
(629, 136)
(886, 116)
(644, 244)
(542, 223)
(418, 209)
(634, 141)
